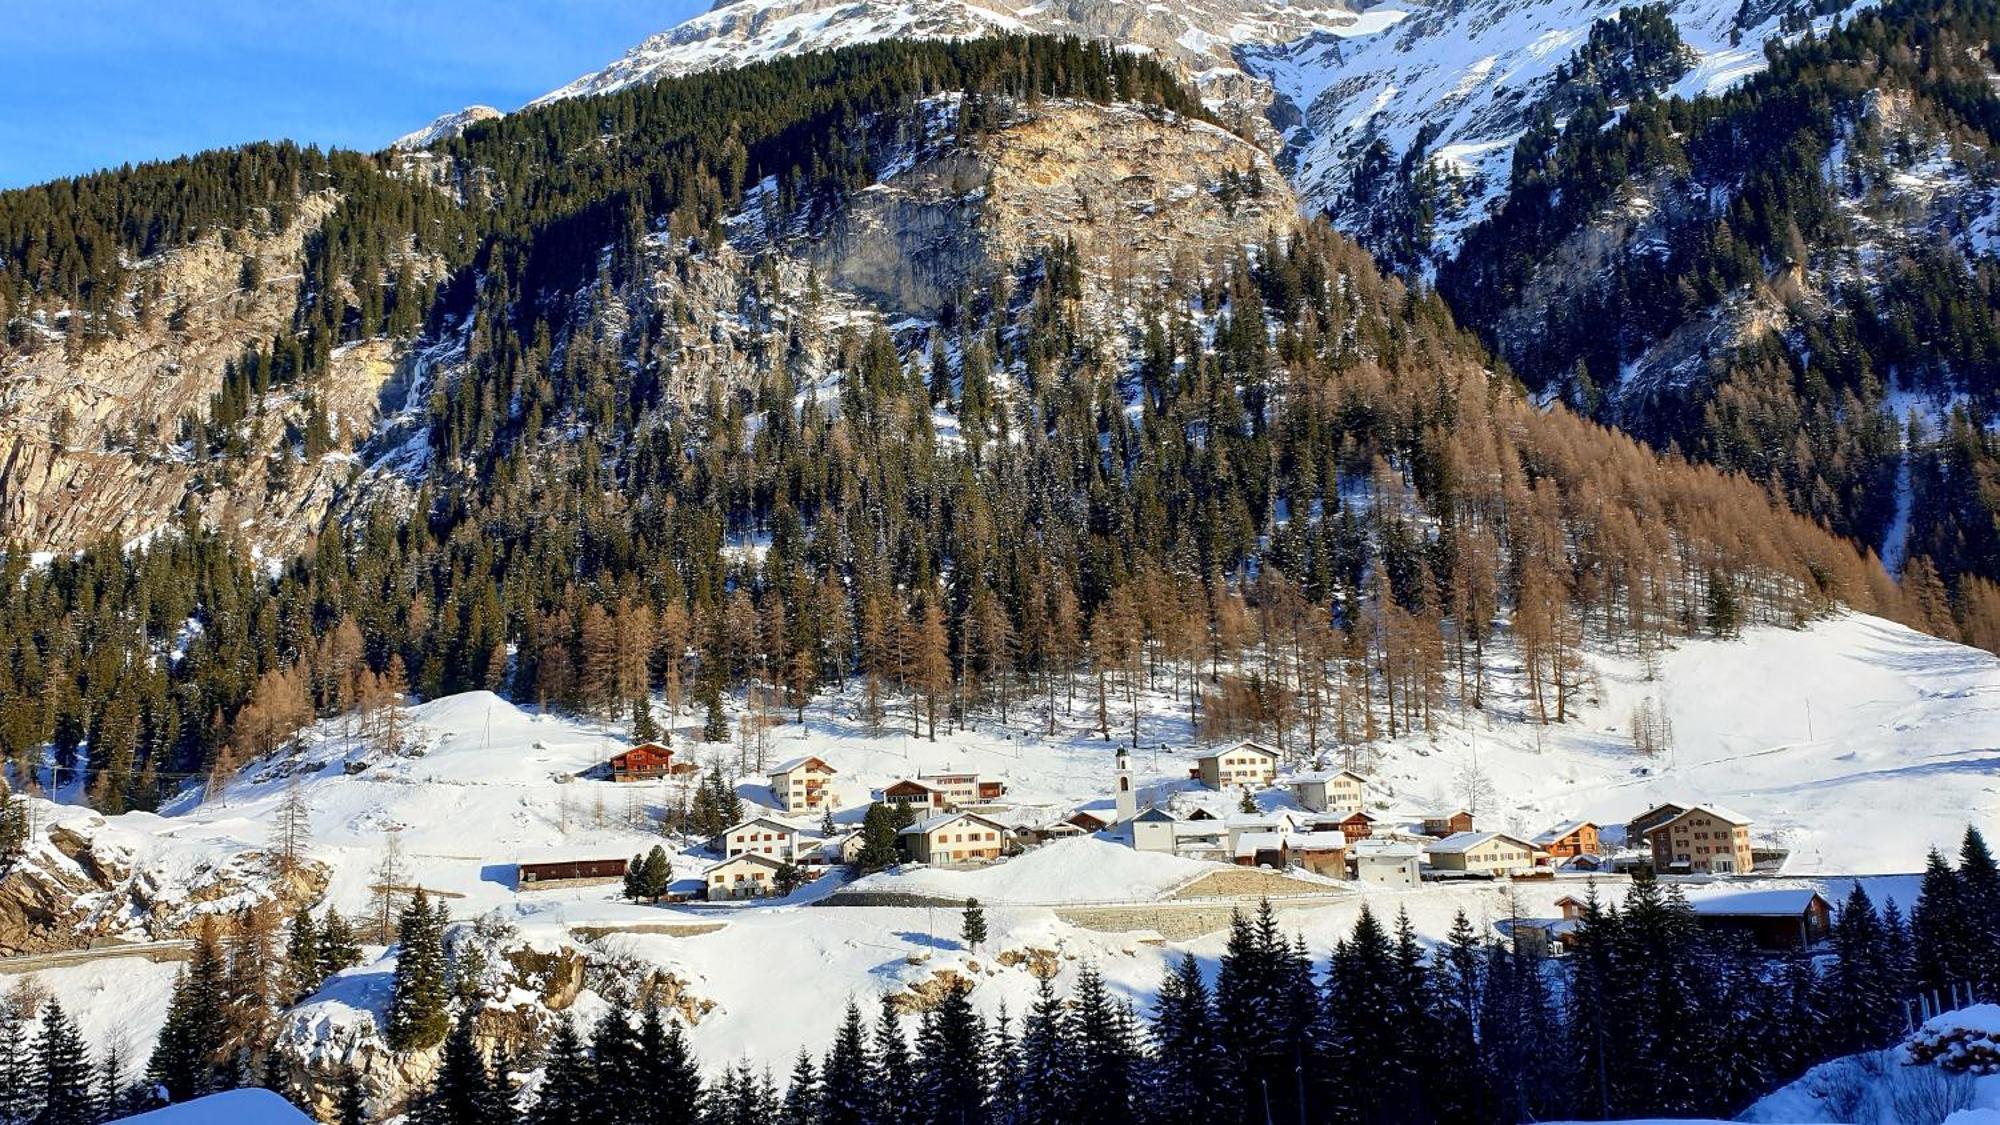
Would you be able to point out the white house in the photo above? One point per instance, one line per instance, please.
(1482, 853)
(1388, 863)
(1330, 791)
(759, 835)
(955, 838)
(1153, 831)
(1246, 763)
(802, 784)
(749, 875)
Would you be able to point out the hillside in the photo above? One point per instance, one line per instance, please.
(481, 785)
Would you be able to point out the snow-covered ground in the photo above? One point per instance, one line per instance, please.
(1856, 743)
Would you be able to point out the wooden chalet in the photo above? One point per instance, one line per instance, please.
(1567, 841)
(648, 761)
(1771, 919)
(1442, 824)
(1356, 825)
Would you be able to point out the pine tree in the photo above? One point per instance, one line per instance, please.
(890, 1071)
(846, 1097)
(565, 1097)
(418, 1019)
(1939, 930)
(190, 1047)
(972, 928)
(462, 1091)
(951, 1062)
(339, 948)
(62, 1067)
(644, 729)
(302, 958)
(1190, 1075)
(802, 1093)
(616, 1078)
(656, 874)
(671, 1085)
(351, 1107)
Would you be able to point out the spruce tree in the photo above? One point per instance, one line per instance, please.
(418, 1019)
(302, 957)
(1940, 933)
(878, 839)
(972, 928)
(190, 1047)
(17, 1085)
(644, 729)
(62, 1068)
(656, 874)
(889, 1070)
(635, 879)
(1048, 1059)
(846, 1095)
(951, 1064)
(462, 1091)
(802, 1092)
(1190, 1075)
(1979, 882)
(1107, 1053)
(351, 1106)
(565, 1097)
(671, 1081)
(616, 1079)
(339, 948)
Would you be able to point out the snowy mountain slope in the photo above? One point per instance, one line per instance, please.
(1201, 34)
(1464, 79)
(447, 126)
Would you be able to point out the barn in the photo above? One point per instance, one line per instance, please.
(528, 876)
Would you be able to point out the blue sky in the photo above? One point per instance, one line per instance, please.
(87, 84)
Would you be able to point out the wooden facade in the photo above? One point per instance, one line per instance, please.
(568, 871)
(648, 761)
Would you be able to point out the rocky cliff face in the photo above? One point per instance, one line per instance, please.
(79, 883)
(92, 443)
(1137, 194)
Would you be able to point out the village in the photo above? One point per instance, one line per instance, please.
(1238, 807)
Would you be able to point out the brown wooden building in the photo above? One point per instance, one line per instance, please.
(1771, 919)
(1567, 841)
(1442, 824)
(527, 875)
(648, 761)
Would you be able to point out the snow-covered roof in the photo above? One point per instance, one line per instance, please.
(1325, 775)
(1775, 903)
(791, 764)
(932, 823)
(1155, 814)
(1459, 842)
(1384, 849)
(1719, 812)
(1199, 830)
(1250, 843)
(1255, 747)
(1317, 841)
(772, 822)
(1562, 830)
(757, 858)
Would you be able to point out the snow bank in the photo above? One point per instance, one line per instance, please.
(1067, 871)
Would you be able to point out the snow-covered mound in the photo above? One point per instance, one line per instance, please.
(1067, 871)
